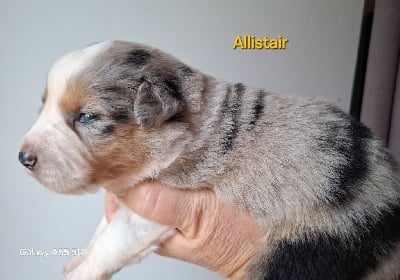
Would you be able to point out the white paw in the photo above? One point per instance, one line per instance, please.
(74, 262)
(127, 239)
(86, 271)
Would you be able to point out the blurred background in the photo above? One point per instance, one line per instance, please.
(319, 60)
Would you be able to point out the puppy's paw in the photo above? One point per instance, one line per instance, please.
(85, 271)
(74, 262)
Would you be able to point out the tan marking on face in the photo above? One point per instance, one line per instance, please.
(124, 153)
(74, 99)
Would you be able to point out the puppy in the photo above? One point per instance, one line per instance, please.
(325, 189)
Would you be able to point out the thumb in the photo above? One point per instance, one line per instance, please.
(182, 209)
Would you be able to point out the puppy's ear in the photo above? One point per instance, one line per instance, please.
(155, 103)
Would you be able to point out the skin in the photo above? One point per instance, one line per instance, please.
(210, 233)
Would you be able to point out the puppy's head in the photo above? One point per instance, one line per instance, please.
(100, 108)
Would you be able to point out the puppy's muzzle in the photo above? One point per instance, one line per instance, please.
(27, 159)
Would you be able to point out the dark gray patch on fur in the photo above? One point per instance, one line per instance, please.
(116, 98)
(112, 92)
(137, 57)
(121, 116)
(231, 111)
(258, 108)
(332, 257)
(173, 88)
(177, 118)
(113, 89)
(108, 129)
(347, 139)
(184, 70)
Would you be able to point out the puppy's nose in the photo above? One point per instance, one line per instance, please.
(27, 159)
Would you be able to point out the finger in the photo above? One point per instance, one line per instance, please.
(110, 205)
(183, 209)
(177, 246)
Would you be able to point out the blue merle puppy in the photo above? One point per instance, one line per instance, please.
(323, 187)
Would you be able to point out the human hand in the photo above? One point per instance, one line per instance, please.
(210, 233)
